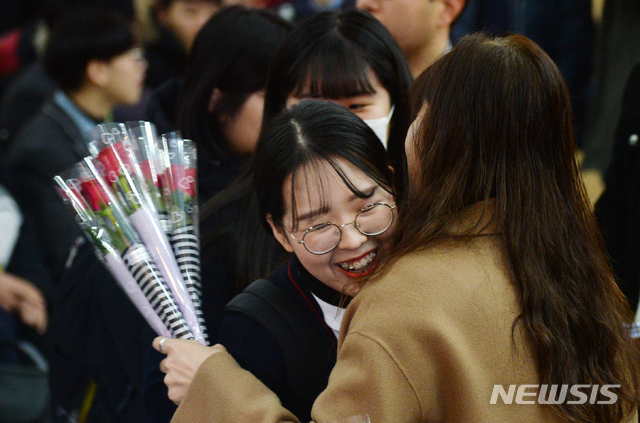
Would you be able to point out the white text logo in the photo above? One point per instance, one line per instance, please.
(554, 394)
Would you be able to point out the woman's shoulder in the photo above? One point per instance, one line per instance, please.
(447, 267)
(453, 281)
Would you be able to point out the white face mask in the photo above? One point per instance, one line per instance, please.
(381, 126)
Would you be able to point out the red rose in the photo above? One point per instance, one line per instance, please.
(93, 193)
(145, 167)
(184, 179)
(163, 182)
(109, 158)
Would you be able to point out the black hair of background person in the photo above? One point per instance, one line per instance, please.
(236, 66)
(74, 42)
(331, 48)
(24, 16)
(618, 209)
(16, 13)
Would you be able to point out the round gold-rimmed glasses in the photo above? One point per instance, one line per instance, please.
(371, 220)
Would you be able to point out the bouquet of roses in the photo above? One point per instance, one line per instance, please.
(117, 244)
(168, 171)
(127, 184)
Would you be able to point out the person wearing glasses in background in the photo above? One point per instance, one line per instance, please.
(326, 190)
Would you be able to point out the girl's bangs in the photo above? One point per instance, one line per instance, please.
(334, 70)
(311, 177)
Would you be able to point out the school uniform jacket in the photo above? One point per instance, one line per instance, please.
(256, 349)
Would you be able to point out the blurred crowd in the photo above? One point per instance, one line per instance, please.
(68, 65)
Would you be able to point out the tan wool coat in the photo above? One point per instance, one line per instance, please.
(427, 342)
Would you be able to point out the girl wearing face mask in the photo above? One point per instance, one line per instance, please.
(325, 189)
(348, 58)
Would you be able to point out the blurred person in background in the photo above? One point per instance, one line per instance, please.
(28, 86)
(17, 295)
(618, 209)
(23, 322)
(617, 50)
(168, 30)
(422, 28)
(94, 57)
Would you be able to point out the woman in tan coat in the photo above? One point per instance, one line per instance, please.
(495, 292)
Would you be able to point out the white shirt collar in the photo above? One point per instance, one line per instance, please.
(332, 315)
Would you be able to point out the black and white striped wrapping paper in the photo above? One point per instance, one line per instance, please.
(146, 274)
(186, 249)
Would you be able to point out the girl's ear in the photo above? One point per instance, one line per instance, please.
(97, 72)
(278, 232)
(453, 8)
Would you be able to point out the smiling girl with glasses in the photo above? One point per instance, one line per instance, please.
(325, 188)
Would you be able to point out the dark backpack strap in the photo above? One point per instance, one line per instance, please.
(282, 316)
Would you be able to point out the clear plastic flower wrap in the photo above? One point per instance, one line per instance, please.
(115, 156)
(178, 166)
(117, 243)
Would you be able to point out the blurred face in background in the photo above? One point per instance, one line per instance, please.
(185, 18)
(123, 77)
(242, 129)
(411, 22)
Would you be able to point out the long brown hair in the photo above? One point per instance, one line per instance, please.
(495, 126)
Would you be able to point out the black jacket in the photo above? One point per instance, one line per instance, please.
(618, 209)
(96, 336)
(47, 145)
